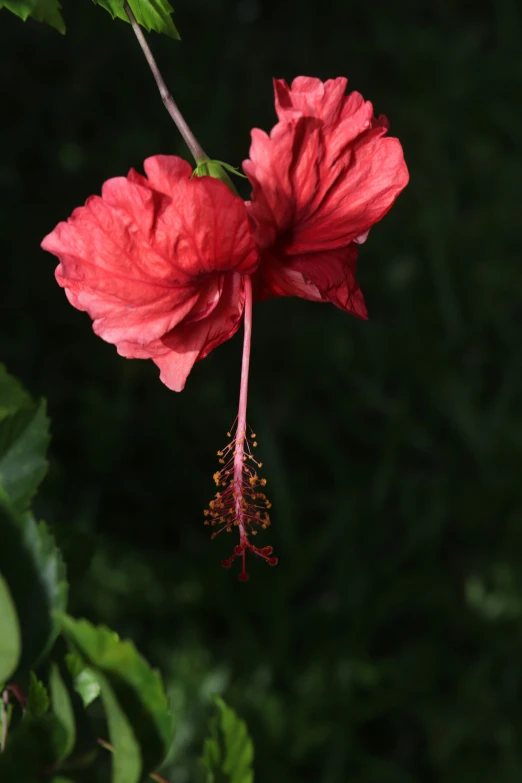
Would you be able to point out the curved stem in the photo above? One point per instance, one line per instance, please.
(170, 104)
(241, 414)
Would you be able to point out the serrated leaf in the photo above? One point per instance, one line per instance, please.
(228, 754)
(62, 708)
(37, 698)
(41, 10)
(150, 14)
(34, 572)
(24, 439)
(10, 635)
(132, 693)
(12, 394)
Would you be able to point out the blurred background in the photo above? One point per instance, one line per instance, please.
(386, 647)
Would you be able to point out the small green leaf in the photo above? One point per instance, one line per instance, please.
(88, 686)
(24, 439)
(132, 694)
(85, 748)
(37, 698)
(228, 754)
(150, 14)
(86, 683)
(63, 710)
(10, 635)
(127, 757)
(34, 572)
(12, 394)
(41, 10)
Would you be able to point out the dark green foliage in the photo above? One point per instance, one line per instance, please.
(139, 722)
(37, 697)
(33, 569)
(24, 439)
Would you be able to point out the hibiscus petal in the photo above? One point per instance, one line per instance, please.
(149, 252)
(194, 340)
(318, 187)
(204, 226)
(272, 206)
(310, 97)
(356, 193)
(320, 277)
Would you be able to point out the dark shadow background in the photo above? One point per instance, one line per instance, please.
(386, 647)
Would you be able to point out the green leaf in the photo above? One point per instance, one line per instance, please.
(85, 682)
(84, 746)
(33, 569)
(12, 394)
(228, 754)
(31, 749)
(41, 10)
(24, 439)
(37, 698)
(62, 708)
(10, 635)
(133, 696)
(127, 757)
(150, 14)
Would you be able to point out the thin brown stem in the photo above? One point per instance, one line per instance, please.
(170, 104)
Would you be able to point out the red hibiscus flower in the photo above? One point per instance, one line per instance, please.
(322, 178)
(158, 262)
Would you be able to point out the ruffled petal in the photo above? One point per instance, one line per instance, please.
(310, 97)
(326, 174)
(194, 340)
(152, 255)
(320, 277)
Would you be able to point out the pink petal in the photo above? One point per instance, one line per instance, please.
(194, 340)
(320, 277)
(150, 253)
(310, 97)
